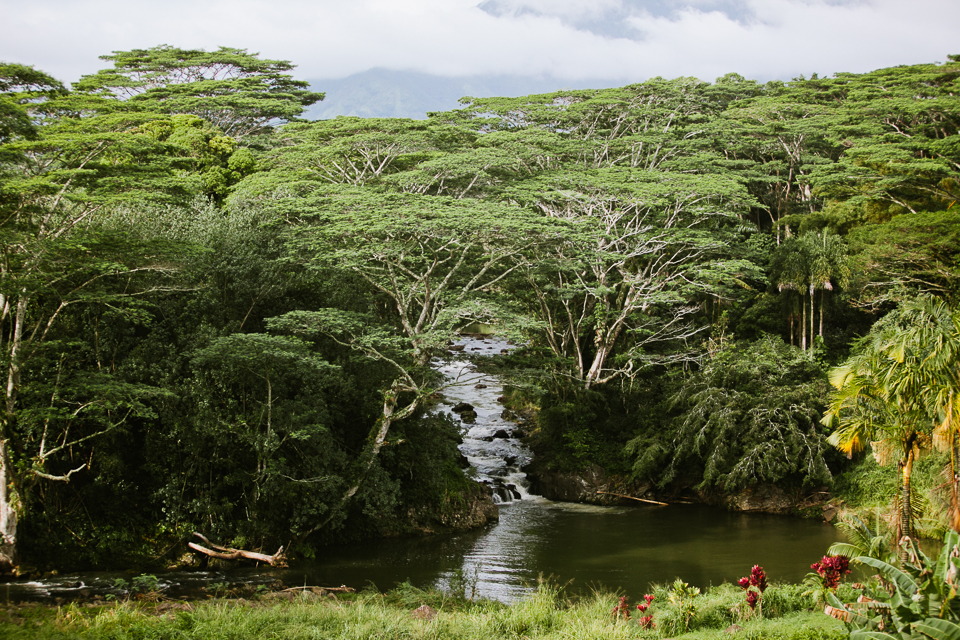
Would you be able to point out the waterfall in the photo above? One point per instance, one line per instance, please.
(490, 441)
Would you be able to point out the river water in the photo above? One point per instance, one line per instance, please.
(625, 548)
(619, 548)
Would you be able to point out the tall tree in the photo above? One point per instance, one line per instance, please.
(438, 261)
(897, 389)
(905, 154)
(642, 246)
(234, 90)
(82, 158)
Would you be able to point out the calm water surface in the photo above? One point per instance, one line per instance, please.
(625, 548)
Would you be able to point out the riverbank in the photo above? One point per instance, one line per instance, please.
(407, 612)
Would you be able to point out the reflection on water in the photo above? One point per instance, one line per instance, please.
(625, 548)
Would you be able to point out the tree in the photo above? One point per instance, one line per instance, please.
(400, 399)
(897, 388)
(21, 86)
(81, 158)
(783, 134)
(905, 156)
(641, 246)
(749, 415)
(438, 261)
(264, 395)
(354, 151)
(911, 255)
(807, 263)
(236, 91)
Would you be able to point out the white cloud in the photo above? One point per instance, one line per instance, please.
(781, 38)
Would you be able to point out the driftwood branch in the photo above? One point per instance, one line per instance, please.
(341, 589)
(226, 553)
(618, 495)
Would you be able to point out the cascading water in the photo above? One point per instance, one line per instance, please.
(490, 441)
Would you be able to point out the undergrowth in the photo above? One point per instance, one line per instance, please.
(870, 492)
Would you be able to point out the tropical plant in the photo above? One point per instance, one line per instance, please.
(861, 540)
(921, 602)
(682, 595)
(899, 390)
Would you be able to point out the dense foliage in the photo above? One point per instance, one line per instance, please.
(217, 317)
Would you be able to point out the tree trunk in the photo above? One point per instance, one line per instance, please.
(603, 350)
(8, 511)
(822, 294)
(812, 316)
(803, 324)
(906, 509)
(9, 498)
(955, 488)
(227, 553)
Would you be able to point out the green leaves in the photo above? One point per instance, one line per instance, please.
(922, 596)
(235, 91)
(748, 416)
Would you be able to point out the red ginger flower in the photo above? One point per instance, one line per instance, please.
(832, 569)
(758, 578)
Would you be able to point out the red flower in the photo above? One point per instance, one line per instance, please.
(621, 608)
(832, 569)
(648, 598)
(754, 584)
(758, 578)
(646, 622)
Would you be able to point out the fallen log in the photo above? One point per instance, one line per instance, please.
(227, 553)
(618, 495)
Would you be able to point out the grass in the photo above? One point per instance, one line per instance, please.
(545, 615)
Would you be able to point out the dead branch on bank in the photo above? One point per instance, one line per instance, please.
(226, 553)
(618, 495)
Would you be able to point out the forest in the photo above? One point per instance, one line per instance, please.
(219, 317)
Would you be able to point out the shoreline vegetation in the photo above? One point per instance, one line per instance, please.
(408, 612)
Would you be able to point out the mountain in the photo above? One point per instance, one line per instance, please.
(383, 93)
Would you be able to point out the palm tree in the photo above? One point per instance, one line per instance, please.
(828, 264)
(791, 272)
(808, 263)
(899, 390)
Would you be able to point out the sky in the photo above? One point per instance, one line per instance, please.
(614, 40)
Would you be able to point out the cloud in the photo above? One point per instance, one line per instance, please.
(622, 40)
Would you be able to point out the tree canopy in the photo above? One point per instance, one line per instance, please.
(216, 316)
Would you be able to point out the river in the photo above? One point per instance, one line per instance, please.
(619, 548)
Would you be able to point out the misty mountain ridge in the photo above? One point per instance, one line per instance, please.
(385, 93)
